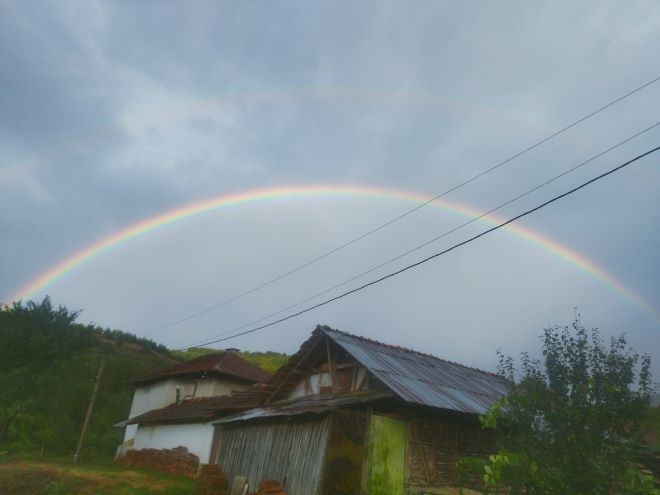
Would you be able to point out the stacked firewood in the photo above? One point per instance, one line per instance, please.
(176, 461)
(270, 487)
(210, 480)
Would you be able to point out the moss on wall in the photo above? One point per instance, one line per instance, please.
(387, 447)
(344, 455)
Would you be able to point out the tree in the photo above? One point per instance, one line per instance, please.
(32, 337)
(571, 422)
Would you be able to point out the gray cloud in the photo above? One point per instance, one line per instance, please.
(114, 112)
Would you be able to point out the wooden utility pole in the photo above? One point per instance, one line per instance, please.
(90, 408)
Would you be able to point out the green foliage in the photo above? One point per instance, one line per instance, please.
(651, 426)
(120, 338)
(51, 476)
(47, 368)
(269, 360)
(193, 353)
(48, 363)
(572, 422)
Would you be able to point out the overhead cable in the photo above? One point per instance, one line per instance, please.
(401, 216)
(438, 237)
(433, 256)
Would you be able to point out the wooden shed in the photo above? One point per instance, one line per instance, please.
(348, 415)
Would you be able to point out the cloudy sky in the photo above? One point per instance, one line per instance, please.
(112, 113)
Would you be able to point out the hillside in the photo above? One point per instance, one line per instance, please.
(48, 364)
(270, 361)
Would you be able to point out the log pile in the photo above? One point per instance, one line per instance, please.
(270, 487)
(176, 461)
(210, 480)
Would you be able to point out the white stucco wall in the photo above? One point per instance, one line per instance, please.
(157, 395)
(162, 393)
(214, 387)
(154, 396)
(196, 437)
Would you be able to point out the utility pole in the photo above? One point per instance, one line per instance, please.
(88, 416)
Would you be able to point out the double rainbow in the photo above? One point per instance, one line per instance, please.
(162, 220)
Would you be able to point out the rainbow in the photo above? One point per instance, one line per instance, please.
(162, 220)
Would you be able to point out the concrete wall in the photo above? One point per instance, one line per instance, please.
(196, 437)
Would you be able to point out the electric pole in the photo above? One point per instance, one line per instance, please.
(88, 416)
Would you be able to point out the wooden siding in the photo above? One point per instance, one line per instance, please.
(342, 474)
(291, 453)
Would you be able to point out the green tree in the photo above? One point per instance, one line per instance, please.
(47, 367)
(571, 423)
(33, 337)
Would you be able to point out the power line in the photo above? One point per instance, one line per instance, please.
(401, 216)
(433, 256)
(444, 234)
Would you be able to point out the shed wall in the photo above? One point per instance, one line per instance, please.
(291, 453)
(435, 444)
(345, 453)
(386, 460)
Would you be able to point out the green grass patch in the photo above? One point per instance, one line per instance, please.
(57, 477)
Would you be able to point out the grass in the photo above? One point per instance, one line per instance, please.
(57, 477)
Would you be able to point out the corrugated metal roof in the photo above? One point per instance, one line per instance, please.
(422, 378)
(225, 363)
(312, 404)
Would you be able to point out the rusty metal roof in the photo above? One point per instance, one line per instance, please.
(423, 379)
(311, 404)
(217, 363)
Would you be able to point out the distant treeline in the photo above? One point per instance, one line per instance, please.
(268, 360)
(120, 338)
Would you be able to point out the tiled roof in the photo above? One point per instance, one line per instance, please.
(218, 363)
(413, 376)
(201, 409)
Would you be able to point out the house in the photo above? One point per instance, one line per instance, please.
(349, 415)
(174, 407)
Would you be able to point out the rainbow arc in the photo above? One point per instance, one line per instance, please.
(160, 221)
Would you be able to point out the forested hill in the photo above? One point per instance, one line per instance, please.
(48, 364)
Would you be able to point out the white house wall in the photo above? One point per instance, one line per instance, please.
(214, 387)
(160, 394)
(157, 395)
(154, 396)
(196, 437)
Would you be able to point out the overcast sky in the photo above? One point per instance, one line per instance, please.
(114, 112)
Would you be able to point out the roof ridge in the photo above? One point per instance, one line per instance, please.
(219, 362)
(218, 365)
(324, 328)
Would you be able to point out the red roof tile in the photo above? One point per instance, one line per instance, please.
(201, 409)
(218, 363)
